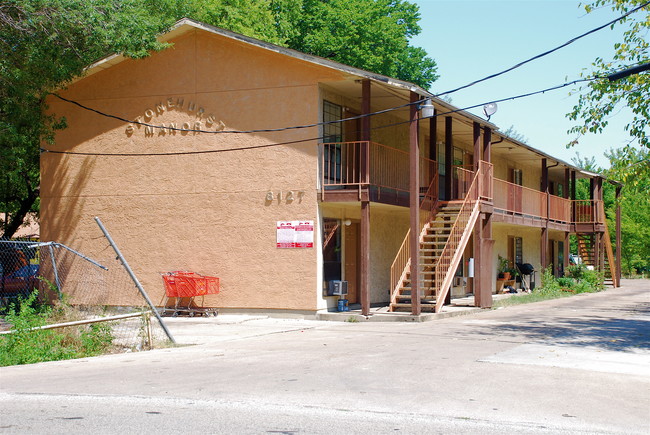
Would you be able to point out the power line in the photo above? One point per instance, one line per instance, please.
(263, 130)
(571, 41)
(179, 153)
(270, 130)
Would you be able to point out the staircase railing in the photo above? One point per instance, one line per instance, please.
(452, 253)
(402, 262)
(611, 261)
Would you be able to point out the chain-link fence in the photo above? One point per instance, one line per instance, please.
(78, 292)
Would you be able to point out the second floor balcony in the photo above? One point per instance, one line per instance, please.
(368, 171)
(363, 170)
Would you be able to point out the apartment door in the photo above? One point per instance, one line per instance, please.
(352, 270)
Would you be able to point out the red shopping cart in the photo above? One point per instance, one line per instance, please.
(188, 285)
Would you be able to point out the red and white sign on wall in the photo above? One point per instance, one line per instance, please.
(295, 234)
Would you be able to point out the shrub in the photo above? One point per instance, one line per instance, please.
(551, 288)
(27, 345)
(566, 282)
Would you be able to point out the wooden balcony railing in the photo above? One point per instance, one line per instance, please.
(341, 166)
(523, 201)
(587, 211)
(559, 209)
(515, 199)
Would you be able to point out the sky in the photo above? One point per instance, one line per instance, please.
(470, 39)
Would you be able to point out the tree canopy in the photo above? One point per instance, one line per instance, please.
(44, 44)
(368, 34)
(631, 166)
(600, 99)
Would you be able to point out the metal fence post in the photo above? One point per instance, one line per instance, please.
(56, 273)
(135, 280)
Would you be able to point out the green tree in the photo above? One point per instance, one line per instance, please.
(254, 18)
(600, 99)
(43, 45)
(632, 167)
(368, 34)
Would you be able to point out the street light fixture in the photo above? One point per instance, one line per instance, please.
(427, 108)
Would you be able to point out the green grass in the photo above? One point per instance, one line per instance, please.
(578, 280)
(27, 346)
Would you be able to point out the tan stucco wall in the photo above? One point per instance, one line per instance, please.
(204, 212)
(531, 170)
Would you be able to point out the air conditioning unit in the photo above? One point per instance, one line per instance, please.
(337, 288)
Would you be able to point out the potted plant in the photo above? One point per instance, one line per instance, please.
(503, 268)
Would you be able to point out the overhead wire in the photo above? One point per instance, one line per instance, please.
(270, 130)
(259, 130)
(546, 53)
(178, 153)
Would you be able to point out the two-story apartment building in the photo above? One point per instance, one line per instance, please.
(279, 171)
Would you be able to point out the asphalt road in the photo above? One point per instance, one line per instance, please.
(576, 365)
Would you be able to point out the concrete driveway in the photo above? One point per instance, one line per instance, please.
(575, 365)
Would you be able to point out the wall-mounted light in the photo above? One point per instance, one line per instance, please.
(347, 222)
(427, 108)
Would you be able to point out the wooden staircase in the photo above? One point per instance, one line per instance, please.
(442, 240)
(587, 252)
(433, 239)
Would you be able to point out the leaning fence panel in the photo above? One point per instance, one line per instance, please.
(81, 295)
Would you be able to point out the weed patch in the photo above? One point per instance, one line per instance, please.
(27, 345)
(578, 280)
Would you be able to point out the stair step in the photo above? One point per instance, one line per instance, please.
(408, 281)
(423, 307)
(426, 298)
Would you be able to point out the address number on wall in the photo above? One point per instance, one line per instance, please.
(288, 196)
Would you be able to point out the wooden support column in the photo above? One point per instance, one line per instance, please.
(544, 238)
(543, 248)
(414, 204)
(565, 264)
(433, 137)
(484, 280)
(487, 144)
(365, 109)
(478, 229)
(597, 248)
(477, 144)
(573, 196)
(618, 235)
(449, 157)
(478, 245)
(365, 205)
(486, 265)
(433, 147)
(573, 185)
(598, 197)
(567, 180)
